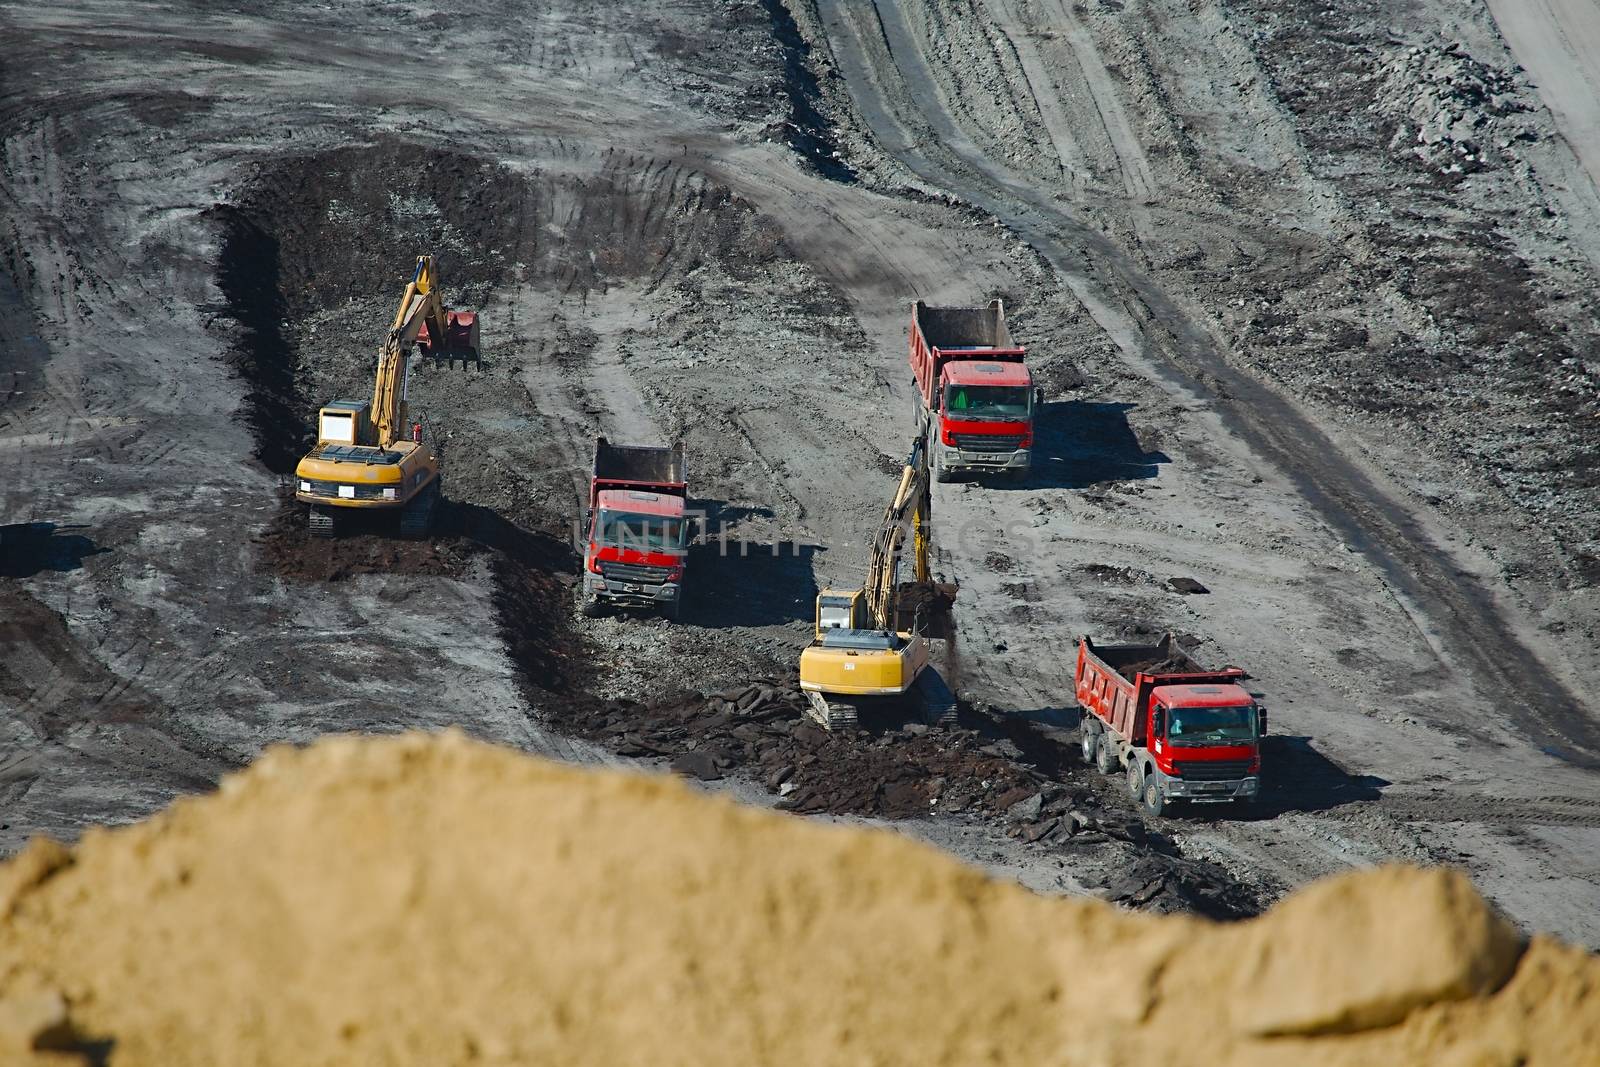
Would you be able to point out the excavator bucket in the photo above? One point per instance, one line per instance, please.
(926, 608)
(460, 337)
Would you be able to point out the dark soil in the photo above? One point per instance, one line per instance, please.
(288, 550)
(532, 571)
(1178, 664)
(806, 130)
(995, 766)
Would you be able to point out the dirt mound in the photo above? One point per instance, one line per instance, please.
(1177, 663)
(434, 900)
(994, 767)
(288, 549)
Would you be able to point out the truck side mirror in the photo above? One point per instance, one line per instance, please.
(1038, 396)
(1261, 718)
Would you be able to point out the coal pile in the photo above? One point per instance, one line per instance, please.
(1161, 883)
(992, 767)
(886, 770)
(1448, 109)
(1176, 663)
(288, 550)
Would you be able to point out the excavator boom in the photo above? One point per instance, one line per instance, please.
(907, 512)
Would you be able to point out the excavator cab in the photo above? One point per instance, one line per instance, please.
(841, 609)
(346, 422)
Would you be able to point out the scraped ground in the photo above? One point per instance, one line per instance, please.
(435, 900)
(707, 221)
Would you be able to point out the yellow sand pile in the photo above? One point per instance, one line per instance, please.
(430, 900)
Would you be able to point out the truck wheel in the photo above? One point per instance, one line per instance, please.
(1153, 799)
(1106, 759)
(941, 473)
(589, 604)
(669, 610)
(1090, 740)
(1135, 780)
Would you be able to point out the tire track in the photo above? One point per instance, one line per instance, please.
(1493, 811)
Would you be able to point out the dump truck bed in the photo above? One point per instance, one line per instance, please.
(1114, 682)
(646, 468)
(947, 328)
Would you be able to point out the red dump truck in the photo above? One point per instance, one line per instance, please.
(636, 532)
(974, 391)
(1177, 730)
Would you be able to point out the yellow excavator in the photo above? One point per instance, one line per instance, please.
(366, 456)
(861, 657)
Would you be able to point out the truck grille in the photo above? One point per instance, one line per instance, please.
(1227, 770)
(980, 442)
(363, 492)
(632, 572)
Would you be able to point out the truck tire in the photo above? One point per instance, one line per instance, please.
(1090, 739)
(1152, 798)
(1106, 759)
(941, 473)
(589, 605)
(1135, 780)
(669, 610)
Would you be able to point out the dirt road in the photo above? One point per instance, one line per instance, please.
(1558, 41)
(1259, 313)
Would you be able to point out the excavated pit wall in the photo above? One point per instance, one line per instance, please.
(432, 900)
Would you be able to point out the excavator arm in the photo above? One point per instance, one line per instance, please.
(907, 513)
(419, 307)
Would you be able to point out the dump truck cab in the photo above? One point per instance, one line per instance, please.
(985, 417)
(636, 530)
(1203, 742)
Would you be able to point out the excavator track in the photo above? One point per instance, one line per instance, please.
(936, 704)
(416, 518)
(320, 523)
(831, 714)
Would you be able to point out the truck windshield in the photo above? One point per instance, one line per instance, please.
(642, 533)
(1197, 726)
(986, 401)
